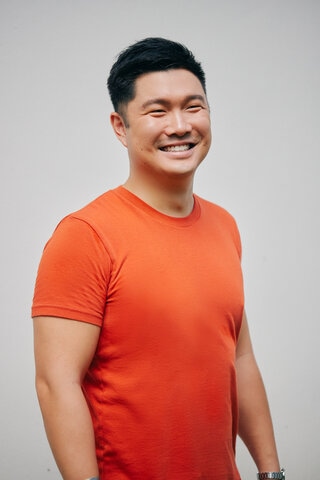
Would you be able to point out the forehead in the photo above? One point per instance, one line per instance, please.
(167, 84)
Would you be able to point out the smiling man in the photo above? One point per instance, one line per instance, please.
(166, 129)
(144, 364)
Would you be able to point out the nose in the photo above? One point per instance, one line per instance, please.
(178, 124)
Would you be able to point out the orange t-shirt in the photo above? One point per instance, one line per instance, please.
(168, 295)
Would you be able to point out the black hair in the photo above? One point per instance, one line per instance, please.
(151, 54)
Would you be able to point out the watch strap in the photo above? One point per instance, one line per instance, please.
(273, 475)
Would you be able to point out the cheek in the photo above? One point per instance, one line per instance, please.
(204, 127)
(205, 124)
(140, 145)
(206, 131)
(146, 137)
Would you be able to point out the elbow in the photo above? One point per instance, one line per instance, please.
(55, 389)
(43, 390)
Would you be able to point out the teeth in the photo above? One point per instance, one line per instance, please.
(177, 148)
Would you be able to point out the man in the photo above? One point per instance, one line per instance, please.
(144, 365)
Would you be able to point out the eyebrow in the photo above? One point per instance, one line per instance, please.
(166, 103)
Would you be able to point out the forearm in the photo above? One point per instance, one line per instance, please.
(69, 430)
(255, 423)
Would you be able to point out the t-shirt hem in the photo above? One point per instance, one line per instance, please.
(65, 313)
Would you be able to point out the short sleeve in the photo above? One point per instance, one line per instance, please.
(237, 237)
(73, 274)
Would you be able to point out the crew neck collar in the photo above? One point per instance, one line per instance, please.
(137, 203)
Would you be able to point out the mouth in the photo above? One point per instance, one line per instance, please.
(177, 148)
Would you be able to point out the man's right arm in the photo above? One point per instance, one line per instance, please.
(63, 352)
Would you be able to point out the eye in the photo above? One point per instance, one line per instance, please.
(194, 107)
(157, 112)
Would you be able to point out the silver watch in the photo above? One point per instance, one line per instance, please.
(276, 475)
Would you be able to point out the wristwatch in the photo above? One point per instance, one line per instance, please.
(277, 475)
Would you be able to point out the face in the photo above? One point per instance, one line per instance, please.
(167, 130)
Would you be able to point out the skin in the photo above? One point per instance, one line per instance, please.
(255, 423)
(169, 110)
(63, 352)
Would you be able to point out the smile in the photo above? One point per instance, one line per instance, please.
(177, 148)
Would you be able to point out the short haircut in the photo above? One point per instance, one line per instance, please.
(152, 54)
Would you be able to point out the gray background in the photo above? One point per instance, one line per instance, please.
(58, 152)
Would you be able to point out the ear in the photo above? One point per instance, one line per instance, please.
(119, 127)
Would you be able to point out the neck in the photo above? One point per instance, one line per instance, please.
(175, 200)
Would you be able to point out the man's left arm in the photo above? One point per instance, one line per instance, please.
(255, 423)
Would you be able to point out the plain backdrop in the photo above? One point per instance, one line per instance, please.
(58, 152)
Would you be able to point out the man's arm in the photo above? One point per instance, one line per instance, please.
(63, 352)
(255, 424)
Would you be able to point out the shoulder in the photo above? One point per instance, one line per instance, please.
(94, 216)
(102, 206)
(222, 219)
(215, 210)
(99, 225)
